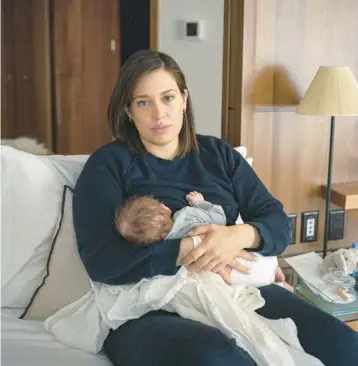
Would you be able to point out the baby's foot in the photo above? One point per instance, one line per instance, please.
(280, 279)
(194, 197)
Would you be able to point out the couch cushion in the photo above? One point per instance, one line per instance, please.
(31, 198)
(31, 193)
(26, 342)
(66, 278)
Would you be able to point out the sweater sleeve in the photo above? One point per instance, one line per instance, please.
(258, 207)
(107, 256)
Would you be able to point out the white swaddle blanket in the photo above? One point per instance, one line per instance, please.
(203, 297)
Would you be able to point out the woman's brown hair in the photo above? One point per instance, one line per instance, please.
(138, 64)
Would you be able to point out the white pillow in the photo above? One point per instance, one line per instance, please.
(31, 193)
(66, 278)
(243, 151)
(66, 167)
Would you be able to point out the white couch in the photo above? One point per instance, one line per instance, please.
(36, 276)
(31, 196)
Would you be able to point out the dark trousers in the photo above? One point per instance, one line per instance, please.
(163, 339)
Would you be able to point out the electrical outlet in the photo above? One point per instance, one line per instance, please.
(292, 222)
(309, 226)
(336, 225)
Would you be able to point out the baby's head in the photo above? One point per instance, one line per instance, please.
(143, 220)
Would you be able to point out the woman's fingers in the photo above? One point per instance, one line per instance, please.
(247, 255)
(219, 267)
(201, 230)
(204, 263)
(239, 267)
(225, 274)
(193, 256)
(210, 266)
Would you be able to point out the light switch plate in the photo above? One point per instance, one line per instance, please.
(336, 225)
(292, 221)
(191, 30)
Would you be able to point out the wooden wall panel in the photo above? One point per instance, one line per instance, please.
(67, 37)
(100, 68)
(32, 64)
(27, 44)
(284, 44)
(86, 69)
(8, 112)
(154, 12)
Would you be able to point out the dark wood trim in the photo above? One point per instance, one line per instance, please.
(226, 71)
(232, 71)
(8, 70)
(48, 71)
(154, 24)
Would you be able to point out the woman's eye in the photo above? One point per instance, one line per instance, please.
(142, 103)
(168, 98)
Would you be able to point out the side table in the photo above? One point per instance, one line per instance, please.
(345, 312)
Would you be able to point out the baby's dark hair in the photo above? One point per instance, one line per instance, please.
(143, 220)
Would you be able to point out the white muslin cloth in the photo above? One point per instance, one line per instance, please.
(202, 297)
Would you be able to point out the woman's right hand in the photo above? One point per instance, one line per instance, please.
(225, 273)
(220, 246)
(187, 245)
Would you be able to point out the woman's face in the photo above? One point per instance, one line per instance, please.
(157, 109)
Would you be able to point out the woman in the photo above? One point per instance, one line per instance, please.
(156, 151)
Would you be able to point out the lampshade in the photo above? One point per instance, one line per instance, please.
(333, 92)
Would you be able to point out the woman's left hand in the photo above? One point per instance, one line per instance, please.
(219, 248)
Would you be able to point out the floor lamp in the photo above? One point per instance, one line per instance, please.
(332, 92)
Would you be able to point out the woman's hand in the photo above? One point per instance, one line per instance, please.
(225, 274)
(220, 246)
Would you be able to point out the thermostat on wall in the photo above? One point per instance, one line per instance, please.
(192, 30)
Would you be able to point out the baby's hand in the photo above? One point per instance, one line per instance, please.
(194, 197)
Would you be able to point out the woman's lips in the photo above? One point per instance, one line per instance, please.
(160, 128)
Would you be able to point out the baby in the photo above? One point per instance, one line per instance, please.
(145, 220)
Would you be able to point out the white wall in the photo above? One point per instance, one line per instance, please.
(201, 61)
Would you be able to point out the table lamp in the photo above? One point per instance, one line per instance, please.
(332, 92)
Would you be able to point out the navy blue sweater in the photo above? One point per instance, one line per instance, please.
(112, 174)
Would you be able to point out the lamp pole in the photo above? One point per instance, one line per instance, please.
(329, 183)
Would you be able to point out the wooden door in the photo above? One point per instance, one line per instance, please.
(86, 65)
(26, 80)
(8, 118)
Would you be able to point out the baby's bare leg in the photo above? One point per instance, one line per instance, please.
(194, 197)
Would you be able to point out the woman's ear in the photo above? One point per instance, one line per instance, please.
(127, 111)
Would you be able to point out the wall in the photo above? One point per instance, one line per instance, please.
(283, 45)
(201, 61)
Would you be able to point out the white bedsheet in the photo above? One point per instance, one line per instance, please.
(25, 342)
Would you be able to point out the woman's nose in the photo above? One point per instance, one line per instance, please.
(158, 111)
